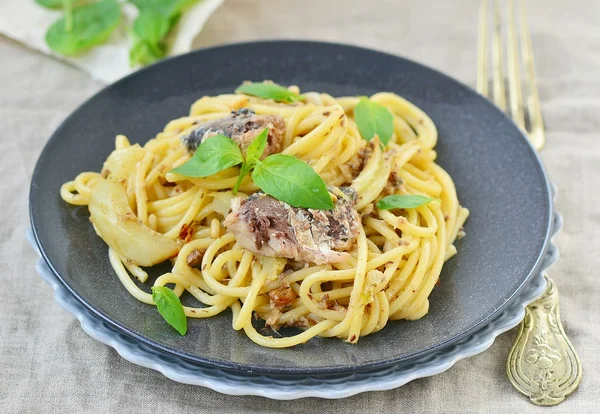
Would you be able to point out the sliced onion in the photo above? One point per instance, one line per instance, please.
(118, 226)
(222, 202)
(121, 163)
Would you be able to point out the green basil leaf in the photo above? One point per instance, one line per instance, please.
(68, 10)
(167, 7)
(269, 91)
(144, 53)
(257, 146)
(51, 4)
(213, 155)
(244, 170)
(253, 153)
(290, 180)
(374, 119)
(149, 29)
(170, 308)
(148, 4)
(403, 201)
(174, 19)
(91, 24)
(58, 4)
(151, 26)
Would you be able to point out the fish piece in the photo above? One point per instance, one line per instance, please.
(242, 126)
(194, 259)
(273, 228)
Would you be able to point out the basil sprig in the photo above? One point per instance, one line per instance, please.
(213, 155)
(88, 23)
(58, 4)
(284, 177)
(269, 91)
(149, 30)
(151, 27)
(167, 7)
(170, 308)
(253, 154)
(374, 119)
(83, 27)
(403, 201)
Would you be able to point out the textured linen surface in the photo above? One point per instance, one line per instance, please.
(48, 364)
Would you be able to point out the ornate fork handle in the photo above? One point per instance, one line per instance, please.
(542, 363)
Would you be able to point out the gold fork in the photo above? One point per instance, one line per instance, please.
(542, 362)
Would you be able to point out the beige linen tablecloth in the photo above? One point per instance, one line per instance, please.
(48, 364)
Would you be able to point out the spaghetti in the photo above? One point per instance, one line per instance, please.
(389, 271)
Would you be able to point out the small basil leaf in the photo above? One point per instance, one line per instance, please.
(166, 7)
(58, 4)
(269, 91)
(151, 26)
(144, 53)
(290, 180)
(170, 308)
(149, 4)
(403, 201)
(149, 29)
(374, 119)
(253, 153)
(91, 25)
(213, 155)
(174, 19)
(51, 4)
(257, 146)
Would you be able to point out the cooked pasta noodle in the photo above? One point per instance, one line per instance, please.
(391, 268)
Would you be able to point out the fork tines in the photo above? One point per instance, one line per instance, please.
(519, 87)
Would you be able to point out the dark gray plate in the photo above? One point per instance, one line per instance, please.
(498, 177)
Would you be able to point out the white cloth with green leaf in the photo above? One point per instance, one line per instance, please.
(27, 21)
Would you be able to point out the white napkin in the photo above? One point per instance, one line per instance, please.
(27, 22)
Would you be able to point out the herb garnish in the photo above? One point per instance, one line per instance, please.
(253, 154)
(269, 91)
(403, 201)
(88, 23)
(374, 119)
(170, 308)
(213, 155)
(284, 177)
(55, 4)
(150, 28)
(83, 27)
(288, 179)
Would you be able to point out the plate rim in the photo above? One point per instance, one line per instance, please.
(321, 370)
